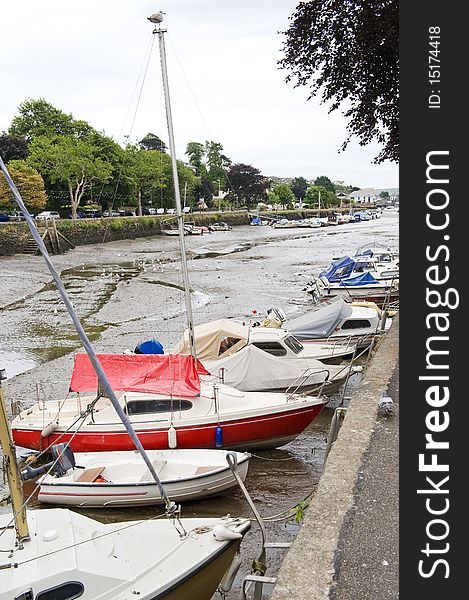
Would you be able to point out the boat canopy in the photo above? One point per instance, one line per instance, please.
(215, 339)
(360, 279)
(253, 369)
(150, 346)
(167, 374)
(321, 322)
(342, 267)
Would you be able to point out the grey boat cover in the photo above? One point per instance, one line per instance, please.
(320, 322)
(252, 369)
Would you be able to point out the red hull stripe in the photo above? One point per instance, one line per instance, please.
(89, 495)
(243, 432)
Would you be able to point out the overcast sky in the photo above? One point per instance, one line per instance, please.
(86, 58)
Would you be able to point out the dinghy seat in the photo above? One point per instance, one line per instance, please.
(205, 469)
(157, 465)
(89, 475)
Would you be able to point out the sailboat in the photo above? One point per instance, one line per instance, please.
(55, 553)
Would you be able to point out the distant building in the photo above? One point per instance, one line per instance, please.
(364, 196)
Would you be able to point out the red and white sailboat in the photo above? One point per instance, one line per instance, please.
(170, 404)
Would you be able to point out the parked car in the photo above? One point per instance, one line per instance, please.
(186, 209)
(4, 218)
(80, 214)
(126, 213)
(160, 211)
(92, 213)
(111, 213)
(16, 215)
(47, 214)
(149, 211)
(222, 226)
(171, 211)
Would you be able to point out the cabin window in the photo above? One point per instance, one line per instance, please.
(293, 344)
(141, 407)
(27, 595)
(66, 591)
(272, 348)
(356, 324)
(226, 344)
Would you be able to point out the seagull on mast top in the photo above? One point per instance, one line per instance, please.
(156, 18)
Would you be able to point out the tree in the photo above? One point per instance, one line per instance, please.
(217, 163)
(39, 118)
(282, 192)
(350, 51)
(29, 183)
(152, 142)
(317, 195)
(299, 185)
(196, 154)
(146, 172)
(384, 194)
(325, 182)
(73, 162)
(12, 148)
(206, 190)
(248, 185)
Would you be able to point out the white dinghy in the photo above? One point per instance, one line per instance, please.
(109, 479)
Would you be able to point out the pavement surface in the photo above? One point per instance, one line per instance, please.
(347, 548)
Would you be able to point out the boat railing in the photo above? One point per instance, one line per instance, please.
(302, 379)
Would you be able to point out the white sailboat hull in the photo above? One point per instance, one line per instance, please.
(115, 561)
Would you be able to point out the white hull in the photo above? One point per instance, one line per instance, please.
(124, 479)
(115, 561)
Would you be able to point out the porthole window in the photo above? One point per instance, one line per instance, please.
(65, 591)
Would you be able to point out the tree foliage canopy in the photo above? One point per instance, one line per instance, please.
(325, 182)
(67, 160)
(12, 148)
(349, 49)
(299, 185)
(248, 185)
(29, 183)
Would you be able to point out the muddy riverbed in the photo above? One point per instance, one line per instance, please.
(128, 291)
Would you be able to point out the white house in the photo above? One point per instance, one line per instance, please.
(365, 195)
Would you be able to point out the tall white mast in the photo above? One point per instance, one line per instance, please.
(157, 19)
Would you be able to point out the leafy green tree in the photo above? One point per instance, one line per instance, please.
(152, 142)
(12, 148)
(350, 51)
(325, 182)
(73, 162)
(318, 196)
(299, 185)
(147, 174)
(195, 151)
(40, 118)
(284, 194)
(217, 163)
(29, 183)
(248, 185)
(384, 194)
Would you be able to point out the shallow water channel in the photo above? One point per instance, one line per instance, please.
(128, 291)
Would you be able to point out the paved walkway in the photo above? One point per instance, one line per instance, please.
(347, 548)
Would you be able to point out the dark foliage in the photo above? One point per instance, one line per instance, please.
(12, 148)
(299, 185)
(349, 50)
(248, 185)
(152, 142)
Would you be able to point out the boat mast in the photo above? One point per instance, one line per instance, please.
(12, 471)
(157, 19)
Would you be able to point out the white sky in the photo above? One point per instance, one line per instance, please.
(86, 57)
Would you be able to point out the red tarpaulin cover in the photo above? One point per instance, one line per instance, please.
(169, 374)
